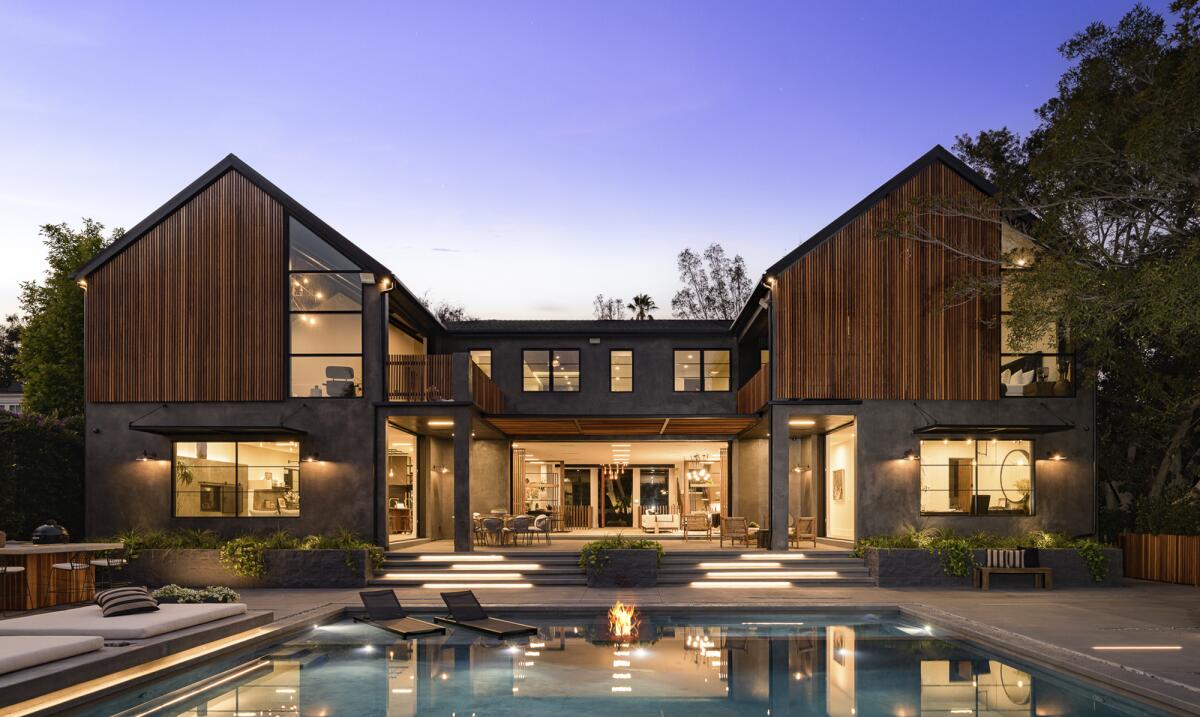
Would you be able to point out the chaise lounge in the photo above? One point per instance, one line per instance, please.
(385, 612)
(465, 611)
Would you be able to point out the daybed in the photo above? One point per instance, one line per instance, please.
(20, 652)
(89, 620)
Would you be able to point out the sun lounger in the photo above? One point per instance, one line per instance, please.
(465, 611)
(90, 621)
(385, 612)
(20, 652)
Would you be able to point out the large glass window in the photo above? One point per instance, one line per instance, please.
(326, 297)
(483, 359)
(701, 370)
(225, 479)
(550, 370)
(652, 490)
(977, 477)
(620, 363)
(1043, 366)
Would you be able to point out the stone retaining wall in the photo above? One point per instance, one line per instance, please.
(285, 569)
(920, 568)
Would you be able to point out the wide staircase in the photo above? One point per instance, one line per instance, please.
(699, 569)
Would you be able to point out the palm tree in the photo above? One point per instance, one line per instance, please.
(641, 306)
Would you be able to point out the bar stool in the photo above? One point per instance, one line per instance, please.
(68, 570)
(109, 561)
(9, 574)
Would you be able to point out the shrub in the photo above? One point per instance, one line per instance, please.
(592, 554)
(1174, 513)
(343, 539)
(41, 473)
(244, 556)
(212, 593)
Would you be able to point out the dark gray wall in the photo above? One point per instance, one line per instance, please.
(653, 373)
(490, 481)
(750, 480)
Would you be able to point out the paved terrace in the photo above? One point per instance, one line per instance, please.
(1058, 627)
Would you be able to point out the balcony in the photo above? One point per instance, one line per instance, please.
(755, 393)
(435, 378)
(1037, 374)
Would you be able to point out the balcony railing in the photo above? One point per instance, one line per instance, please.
(432, 378)
(755, 393)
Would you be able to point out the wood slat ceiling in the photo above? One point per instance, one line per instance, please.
(650, 426)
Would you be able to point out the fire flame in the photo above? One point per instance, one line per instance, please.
(623, 620)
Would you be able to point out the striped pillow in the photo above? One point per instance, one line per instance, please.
(125, 601)
(1005, 558)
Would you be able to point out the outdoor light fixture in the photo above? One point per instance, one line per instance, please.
(82, 284)
(313, 457)
(909, 455)
(386, 283)
(802, 422)
(1055, 456)
(146, 456)
(440, 424)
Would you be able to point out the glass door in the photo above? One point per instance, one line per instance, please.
(402, 484)
(577, 497)
(617, 488)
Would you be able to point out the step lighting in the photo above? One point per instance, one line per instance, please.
(453, 576)
(622, 688)
(507, 566)
(769, 556)
(475, 586)
(1136, 648)
(755, 565)
(622, 676)
(788, 575)
(455, 558)
(741, 584)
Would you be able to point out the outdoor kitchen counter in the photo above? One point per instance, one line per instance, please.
(37, 559)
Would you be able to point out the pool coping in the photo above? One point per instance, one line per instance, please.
(1131, 683)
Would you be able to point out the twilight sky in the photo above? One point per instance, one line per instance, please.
(516, 158)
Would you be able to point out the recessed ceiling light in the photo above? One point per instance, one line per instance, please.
(440, 423)
(802, 422)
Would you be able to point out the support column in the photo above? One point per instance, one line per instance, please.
(778, 479)
(462, 481)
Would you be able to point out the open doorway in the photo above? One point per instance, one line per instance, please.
(402, 484)
(840, 486)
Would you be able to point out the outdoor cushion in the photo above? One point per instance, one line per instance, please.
(1005, 558)
(1032, 558)
(125, 601)
(18, 653)
(91, 621)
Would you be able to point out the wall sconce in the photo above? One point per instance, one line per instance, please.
(1056, 456)
(146, 456)
(313, 457)
(909, 455)
(441, 469)
(385, 284)
(82, 284)
(798, 468)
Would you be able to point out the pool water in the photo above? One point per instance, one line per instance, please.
(689, 666)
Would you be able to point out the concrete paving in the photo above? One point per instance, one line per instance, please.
(1059, 627)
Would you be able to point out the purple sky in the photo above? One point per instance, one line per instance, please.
(516, 158)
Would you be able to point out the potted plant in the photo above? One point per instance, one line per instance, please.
(621, 562)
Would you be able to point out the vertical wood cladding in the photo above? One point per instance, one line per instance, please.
(864, 317)
(193, 310)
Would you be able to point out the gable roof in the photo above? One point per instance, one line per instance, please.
(232, 162)
(937, 154)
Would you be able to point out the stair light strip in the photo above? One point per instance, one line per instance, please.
(756, 565)
(741, 584)
(787, 574)
(1138, 647)
(770, 556)
(453, 576)
(475, 586)
(506, 566)
(458, 558)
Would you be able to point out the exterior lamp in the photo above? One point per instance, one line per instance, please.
(1056, 456)
(313, 457)
(82, 284)
(385, 284)
(146, 456)
(909, 455)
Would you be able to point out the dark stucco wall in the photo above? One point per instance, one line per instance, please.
(653, 373)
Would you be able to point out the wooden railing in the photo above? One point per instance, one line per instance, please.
(420, 378)
(755, 393)
(484, 391)
(1165, 558)
(578, 516)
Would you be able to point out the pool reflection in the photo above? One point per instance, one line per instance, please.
(835, 666)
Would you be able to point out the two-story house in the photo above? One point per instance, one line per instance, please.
(249, 368)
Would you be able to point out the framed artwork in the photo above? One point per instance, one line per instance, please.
(839, 644)
(839, 484)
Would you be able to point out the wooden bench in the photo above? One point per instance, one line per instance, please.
(1042, 577)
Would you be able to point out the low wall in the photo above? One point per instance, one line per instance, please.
(1165, 558)
(920, 568)
(285, 569)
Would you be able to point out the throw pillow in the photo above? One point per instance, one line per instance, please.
(125, 601)
(1005, 558)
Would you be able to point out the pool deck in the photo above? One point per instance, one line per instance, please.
(1059, 627)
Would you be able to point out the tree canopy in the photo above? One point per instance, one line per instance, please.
(714, 285)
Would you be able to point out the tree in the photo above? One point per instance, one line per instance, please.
(608, 309)
(445, 311)
(1107, 186)
(10, 343)
(641, 306)
(50, 358)
(716, 291)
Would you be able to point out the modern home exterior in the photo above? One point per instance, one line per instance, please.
(249, 368)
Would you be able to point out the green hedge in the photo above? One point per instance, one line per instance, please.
(41, 473)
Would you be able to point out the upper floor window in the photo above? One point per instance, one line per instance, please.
(483, 359)
(620, 363)
(1043, 366)
(551, 369)
(702, 370)
(977, 477)
(325, 306)
(246, 479)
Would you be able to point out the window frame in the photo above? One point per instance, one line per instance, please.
(236, 441)
(489, 372)
(701, 362)
(550, 366)
(632, 385)
(1033, 491)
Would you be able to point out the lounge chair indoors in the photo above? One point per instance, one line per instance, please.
(465, 611)
(385, 612)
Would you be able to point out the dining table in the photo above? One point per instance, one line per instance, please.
(37, 559)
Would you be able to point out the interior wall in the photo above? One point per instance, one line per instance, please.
(400, 342)
(441, 488)
(801, 488)
(750, 479)
(840, 456)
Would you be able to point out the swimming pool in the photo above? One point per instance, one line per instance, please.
(841, 665)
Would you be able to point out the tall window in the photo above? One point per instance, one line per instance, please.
(977, 477)
(1039, 367)
(620, 370)
(483, 359)
(326, 318)
(551, 370)
(702, 370)
(250, 479)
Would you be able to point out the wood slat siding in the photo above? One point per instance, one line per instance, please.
(1165, 558)
(420, 378)
(484, 391)
(194, 309)
(755, 393)
(861, 317)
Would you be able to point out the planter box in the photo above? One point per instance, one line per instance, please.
(920, 568)
(625, 569)
(194, 568)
